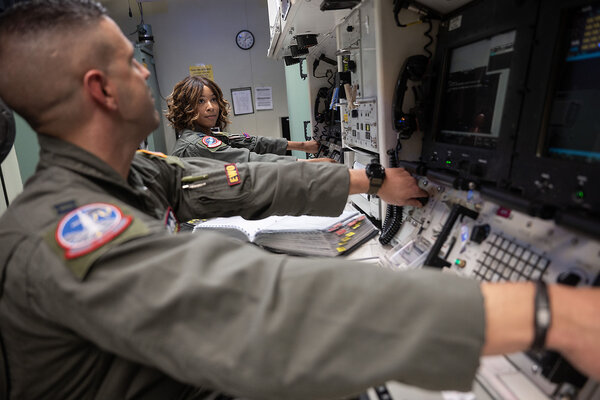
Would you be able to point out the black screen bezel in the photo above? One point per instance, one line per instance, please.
(481, 20)
(538, 177)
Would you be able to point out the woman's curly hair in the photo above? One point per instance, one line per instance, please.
(182, 104)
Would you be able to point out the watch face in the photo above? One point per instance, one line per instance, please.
(244, 39)
(375, 170)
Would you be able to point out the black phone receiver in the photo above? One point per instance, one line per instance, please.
(413, 69)
(323, 96)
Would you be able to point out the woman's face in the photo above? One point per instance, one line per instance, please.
(207, 109)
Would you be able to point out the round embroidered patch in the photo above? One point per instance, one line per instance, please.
(211, 142)
(89, 227)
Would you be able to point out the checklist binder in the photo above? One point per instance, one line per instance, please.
(295, 235)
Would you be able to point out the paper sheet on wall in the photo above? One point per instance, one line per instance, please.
(242, 101)
(264, 98)
(205, 70)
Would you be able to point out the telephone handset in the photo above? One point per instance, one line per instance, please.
(405, 124)
(413, 69)
(324, 97)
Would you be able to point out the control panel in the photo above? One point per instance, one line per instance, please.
(484, 100)
(462, 232)
(358, 79)
(359, 126)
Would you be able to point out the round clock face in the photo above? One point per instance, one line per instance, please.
(244, 39)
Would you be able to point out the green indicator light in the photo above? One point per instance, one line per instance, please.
(579, 194)
(448, 162)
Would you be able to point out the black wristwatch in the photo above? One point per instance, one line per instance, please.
(376, 174)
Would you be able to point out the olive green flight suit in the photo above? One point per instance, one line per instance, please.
(101, 301)
(231, 148)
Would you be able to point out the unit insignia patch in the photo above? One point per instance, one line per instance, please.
(89, 227)
(211, 142)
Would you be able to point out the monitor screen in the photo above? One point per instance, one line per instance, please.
(475, 91)
(572, 124)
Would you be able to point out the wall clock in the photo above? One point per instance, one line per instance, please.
(244, 39)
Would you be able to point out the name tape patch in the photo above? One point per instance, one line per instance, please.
(89, 227)
(233, 176)
(211, 142)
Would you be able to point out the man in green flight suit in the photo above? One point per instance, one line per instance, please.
(100, 301)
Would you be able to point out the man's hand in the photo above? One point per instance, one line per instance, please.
(399, 187)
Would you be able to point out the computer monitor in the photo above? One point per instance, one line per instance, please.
(479, 69)
(475, 91)
(559, 134)
(571, 129)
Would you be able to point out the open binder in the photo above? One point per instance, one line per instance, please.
(296, 235)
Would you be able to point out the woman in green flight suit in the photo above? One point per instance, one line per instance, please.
(198, 113)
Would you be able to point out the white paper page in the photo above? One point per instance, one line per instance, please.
(276, 223)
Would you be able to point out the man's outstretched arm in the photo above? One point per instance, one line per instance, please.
(574, 329)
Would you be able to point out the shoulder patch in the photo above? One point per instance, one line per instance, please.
(88, 232)
(153, 153)
(89, 227)
(211, 142)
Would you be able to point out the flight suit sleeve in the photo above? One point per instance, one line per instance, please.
(240, 155)
(211, 311)
(257, 190)
(259, 144)
(226, 153)
(269, 157)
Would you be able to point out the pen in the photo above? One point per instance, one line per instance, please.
(194, 186)
(193, 178)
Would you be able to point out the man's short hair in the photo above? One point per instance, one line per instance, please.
(32, 52)
(37, 16)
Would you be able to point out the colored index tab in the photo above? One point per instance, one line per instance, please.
(335, 227)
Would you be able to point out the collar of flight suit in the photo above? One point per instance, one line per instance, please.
(57, 152)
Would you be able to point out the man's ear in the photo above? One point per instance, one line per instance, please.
(99, 89)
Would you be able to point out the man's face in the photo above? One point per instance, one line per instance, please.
(136, 105)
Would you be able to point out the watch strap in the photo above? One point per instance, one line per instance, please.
(374, 185)
(542, 316)
(376, 174)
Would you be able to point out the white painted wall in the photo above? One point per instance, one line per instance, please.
(191, 32)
